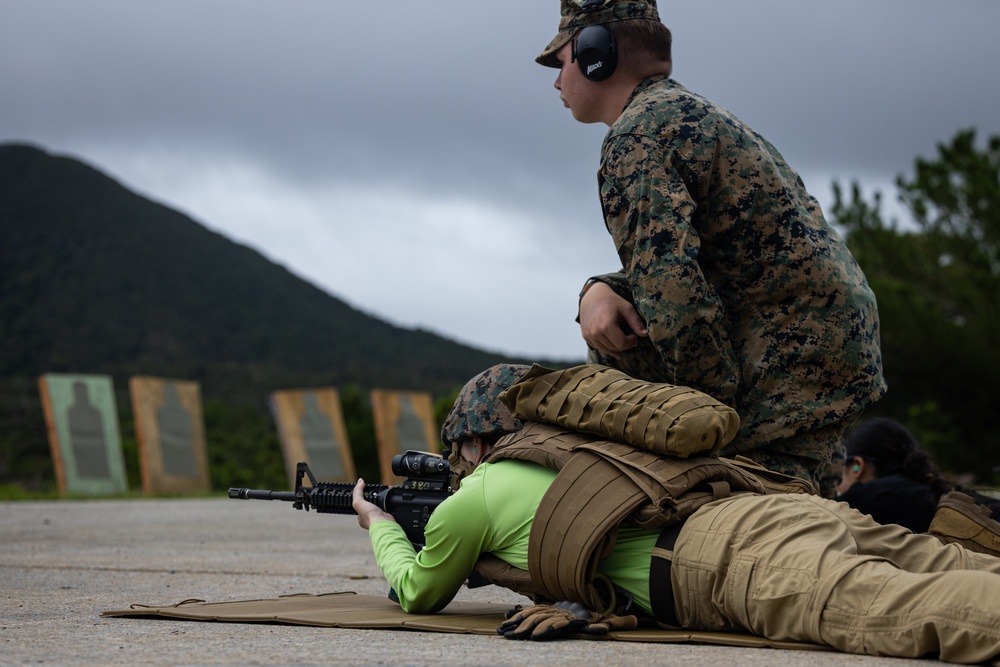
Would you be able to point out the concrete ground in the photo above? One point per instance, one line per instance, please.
(62, 563)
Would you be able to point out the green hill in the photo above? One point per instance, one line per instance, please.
(97, 279)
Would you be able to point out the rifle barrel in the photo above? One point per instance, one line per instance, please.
(256, 494)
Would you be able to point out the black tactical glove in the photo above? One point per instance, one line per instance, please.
(547, 621)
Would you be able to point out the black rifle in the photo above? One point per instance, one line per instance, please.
(427, 485)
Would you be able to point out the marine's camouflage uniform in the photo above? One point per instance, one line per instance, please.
(747, 293)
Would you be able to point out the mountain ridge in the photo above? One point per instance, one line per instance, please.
(97, 278)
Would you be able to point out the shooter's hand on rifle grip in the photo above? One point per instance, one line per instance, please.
(368, 513)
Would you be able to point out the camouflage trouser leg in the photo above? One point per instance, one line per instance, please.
(815, 455)
(642, 362)
(821, 460)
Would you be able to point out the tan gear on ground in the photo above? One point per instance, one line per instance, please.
(600, 484)
(960, 519)
(657, 417)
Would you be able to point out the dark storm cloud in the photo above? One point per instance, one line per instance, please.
(442, 100)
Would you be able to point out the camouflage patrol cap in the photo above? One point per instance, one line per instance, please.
(597, 12)
(478, 411)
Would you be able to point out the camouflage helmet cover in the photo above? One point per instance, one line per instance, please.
(478, 411)
(575, 17)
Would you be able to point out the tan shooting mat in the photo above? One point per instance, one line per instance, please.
(350, 610)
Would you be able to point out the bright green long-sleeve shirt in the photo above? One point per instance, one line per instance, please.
(491, 513)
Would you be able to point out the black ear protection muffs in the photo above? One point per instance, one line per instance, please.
(594, 48)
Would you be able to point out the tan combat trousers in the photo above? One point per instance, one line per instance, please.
(802, 568)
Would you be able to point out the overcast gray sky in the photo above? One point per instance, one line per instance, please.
(413, 160)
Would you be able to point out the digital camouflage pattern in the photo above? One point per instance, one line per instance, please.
(608, 11)
(747, 293)
(478, 411)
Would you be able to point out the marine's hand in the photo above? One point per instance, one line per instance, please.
(368, 513)
(609, 323)
(547, 621)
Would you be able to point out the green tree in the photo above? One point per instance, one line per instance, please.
(442, 407)
(360, 425)
(938, 290)
(243, 447)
